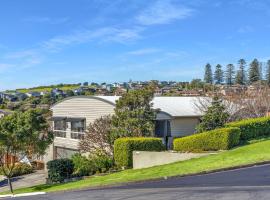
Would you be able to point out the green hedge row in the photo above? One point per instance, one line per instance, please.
(60, 169)
(219, 139)
(252, 128)
(123, 148)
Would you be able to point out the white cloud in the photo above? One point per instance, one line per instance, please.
(163, 12)
(5, 66)
(48, 20)
(145, 51)
(245, 29)
(84, 36)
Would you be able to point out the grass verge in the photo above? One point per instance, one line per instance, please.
(254, 152)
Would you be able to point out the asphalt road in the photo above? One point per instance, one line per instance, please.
(242, 184)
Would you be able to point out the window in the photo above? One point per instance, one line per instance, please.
(78, 126)
(61, 152)
(60, 125)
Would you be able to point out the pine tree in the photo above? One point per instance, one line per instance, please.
(208, 76)
(218, 76)
(254, 71)
(230, 74)
(268, 72)
(241, 74)
(215, 117)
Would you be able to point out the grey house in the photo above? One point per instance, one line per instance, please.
(176, 117)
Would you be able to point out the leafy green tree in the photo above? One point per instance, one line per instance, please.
(218, 75)
(134, 114)
(196, 84)
(22, 134)
(241, 73)
(208, 76)
(215, 117)
(254, 71)
(268, 72)
(229, 75)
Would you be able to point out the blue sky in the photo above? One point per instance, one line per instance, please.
(60, 41)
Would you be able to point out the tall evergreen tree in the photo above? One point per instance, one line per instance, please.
(218, 76)
(215, 117)
(229, 75)
(241, 74)
(208, 76)
(254, 73)
(268, 72)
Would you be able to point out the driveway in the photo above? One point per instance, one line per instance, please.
(242, 184)
(24, 181)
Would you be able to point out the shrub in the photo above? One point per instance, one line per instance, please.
(252, 128)
(102, 162)
(60, 169)
(83, 166)
(20, 169)
(98, 163)
(123, 148)
(218, 139)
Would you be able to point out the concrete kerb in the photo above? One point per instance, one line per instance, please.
(22, 195)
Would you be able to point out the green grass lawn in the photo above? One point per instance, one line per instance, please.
(254, 152)
(47, 89)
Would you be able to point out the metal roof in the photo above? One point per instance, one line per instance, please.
(174, 106)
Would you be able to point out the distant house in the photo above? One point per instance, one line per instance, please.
(4, 113)
(20, 96)
(83, 89)
(57, 92)
(10, 97)
(33, 94)
(176, 117)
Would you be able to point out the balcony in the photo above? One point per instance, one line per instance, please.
(69, 135)
(77, 135)
(58, 133)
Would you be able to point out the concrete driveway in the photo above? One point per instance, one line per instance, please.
(24, 181)
(249, 183)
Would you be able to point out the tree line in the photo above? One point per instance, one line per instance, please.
(243, 75)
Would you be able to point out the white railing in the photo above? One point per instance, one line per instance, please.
(77, 135)
(59, 133)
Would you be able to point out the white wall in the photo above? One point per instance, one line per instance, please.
(89, 108)
(183, 126)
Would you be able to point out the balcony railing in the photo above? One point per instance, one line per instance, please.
(73, 134)
(77, 135)
(58, 133)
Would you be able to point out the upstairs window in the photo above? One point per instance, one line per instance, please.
(60, 125)
(77, 124)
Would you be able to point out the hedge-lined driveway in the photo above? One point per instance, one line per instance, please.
(241, 184)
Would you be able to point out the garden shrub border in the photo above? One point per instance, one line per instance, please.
(252, 128)
(218, 139)
(123, 148)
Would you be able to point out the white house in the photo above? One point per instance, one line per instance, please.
(176, 117)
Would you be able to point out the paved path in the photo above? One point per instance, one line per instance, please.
(28, 180)
(249, 183)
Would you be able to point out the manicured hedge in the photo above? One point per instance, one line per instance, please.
(219, 139)
(123, 148)
(252, 128)
(60, 169)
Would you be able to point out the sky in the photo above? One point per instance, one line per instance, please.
(71, 41)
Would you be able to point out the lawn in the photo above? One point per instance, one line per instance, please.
(47, 89)
(254, 152)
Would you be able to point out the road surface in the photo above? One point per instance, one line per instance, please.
(249, 183)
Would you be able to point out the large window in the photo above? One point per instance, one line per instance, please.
(60, 125)
(77, 125)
